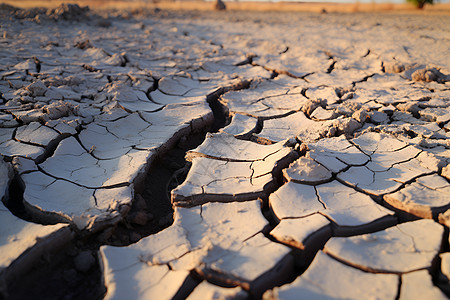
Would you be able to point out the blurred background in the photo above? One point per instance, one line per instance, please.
(424, 6)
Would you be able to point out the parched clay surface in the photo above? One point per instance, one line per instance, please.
(17, 235)
(225, 168)
(327, 278)
(223, 250)
(223, 154)
(417, 244)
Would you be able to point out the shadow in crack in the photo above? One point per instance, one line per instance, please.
(152, 209)
(72, 272)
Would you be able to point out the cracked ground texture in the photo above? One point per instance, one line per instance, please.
(222, 155)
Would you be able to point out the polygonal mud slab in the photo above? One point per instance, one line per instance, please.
(17, 235)
(404, 248)
(241, 125)
(12, 148)
(264, 100)
(327, 278)
(337, 153)
(418, 285)
(307, 232)
(140, 281)
(294, 200)
(259, 264)
(305, 170)
(296, 61)
(206, 290)
(381, 183)
(226, 147)
(184, 86)
(320, 114)
(334, 194)
(113, 153)
(439, 115)
(426, 197)
(22, 243)
(108, 139)
(296, 124)
(350, 210)
(61, 201)
(373, 142)
(71, 162)
(35, 133)
(392, 164)
(220, 240)
(388, 89)
(217, 180)
(324, 93)
(228, 169)
(445, 264)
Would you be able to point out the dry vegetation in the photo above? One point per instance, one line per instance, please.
(439, 8)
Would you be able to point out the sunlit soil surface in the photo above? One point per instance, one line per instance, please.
(159, 154)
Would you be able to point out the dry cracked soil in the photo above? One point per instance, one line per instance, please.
(223, 155)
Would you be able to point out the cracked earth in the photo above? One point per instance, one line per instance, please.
(223, 155)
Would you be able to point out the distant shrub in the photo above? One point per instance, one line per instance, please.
(420, 3)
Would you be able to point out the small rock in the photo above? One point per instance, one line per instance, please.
(378, 117)
(331, 132)
(220, 5)
(105, 235)
(58, 109)
(393, 67)
(83, 45)
(68, 12)
(124, 210)
(409, 107)
(428, 75)
(444, 218)
(139, 218)
(323, 114)
(134, 237)
(347, 125)
(303, 148)
(306, 170)
(84, 261)
(104, 23)
(389, 110)
(446, 172)
(311, 105)
(139, 202)
(116, 60)
(360, 115)
(37, 88)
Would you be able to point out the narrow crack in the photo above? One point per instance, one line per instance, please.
(368, 269)
(318, 198)
(220, 111)
(399, 289)
(331, 67)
